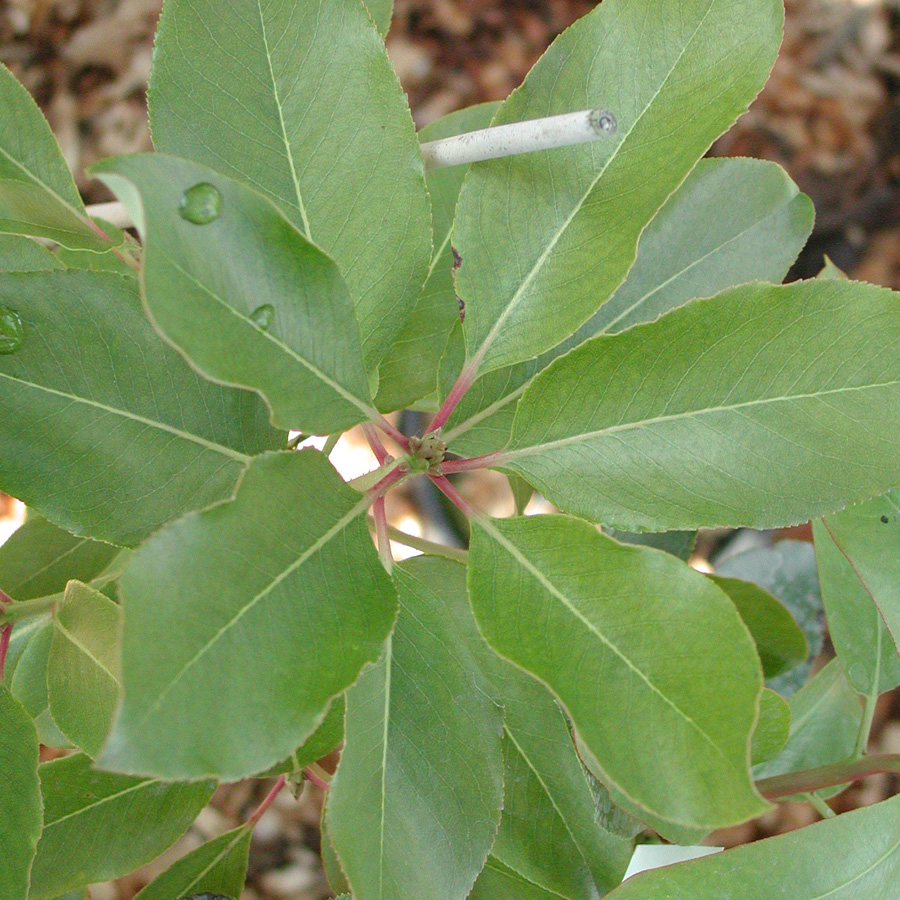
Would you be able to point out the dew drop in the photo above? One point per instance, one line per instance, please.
(12, 332)
(262, 316)
(201, 204)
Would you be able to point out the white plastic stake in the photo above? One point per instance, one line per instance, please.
(520, 137)
(655, 856)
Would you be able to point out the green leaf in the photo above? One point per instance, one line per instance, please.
(334, 872)
(37, 193)
(415, 804)
(550, 831)
(280, 592)
(731, 222)
(107, 261)
(763, 406)
(678, 543)
(140, 437)
(499, 882)
(217, 867)
(860, 572)
(772, 729)
(323, 740)
(410, 369)
(21, 254)
(99, 826)
(780, 642)
(312, 116)
(546, 237)
(854, 856)
(788, 571)
(20, 797)
(245, 296)
(83, 682)
(29, 685)
(606, 613)
(39, 559)
(381, 12)
(522, 493)
(825, 717)
(21, 639)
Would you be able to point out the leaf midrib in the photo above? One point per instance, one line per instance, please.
(84, 650)
(134, 417)
(288, 150)
(557, 236)
(84, 810)
(313, 369)
(551, 588)
(674, 417)
(310, 551)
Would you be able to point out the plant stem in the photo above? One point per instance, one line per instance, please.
(813, 780)
(5, 600)
(452, 494)
(520, 137)
(391, 431)
(297, 441)
(429, 547)
(381, 532)
(865, 725)
(386, 483)
(5, 635)
(27, 609)
(476, 462)
(375, 444)
(820, 806)
(330, 444)
(316, 779)
(463, 383)
(269, 800)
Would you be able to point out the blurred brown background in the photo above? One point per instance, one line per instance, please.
(830, 115)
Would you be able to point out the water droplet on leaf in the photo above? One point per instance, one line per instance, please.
(12, 332)
(201, 204)
(262, 317)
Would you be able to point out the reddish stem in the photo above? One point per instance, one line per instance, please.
(123, 256)
(455, 497)
(378, 448)
(309, 775)
(270, 799)
(395, 434)
(5, 600)
(476, 462)
(812, 780)
(459, 390)
(5, 635)
(386, 483)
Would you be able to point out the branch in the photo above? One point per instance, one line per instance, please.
(812, 780)
(520, 137)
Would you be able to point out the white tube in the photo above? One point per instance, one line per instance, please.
(520, 137)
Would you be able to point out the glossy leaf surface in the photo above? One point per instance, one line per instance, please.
(245, 296)
(83, 682)
(20, 797)
(546, 237)
(550, 833)
(415, 804)
(786, 570)
(762, 406)
(280, 591)
(604, 610)
(37, 192)
(780, 642)
(859, 551)
(410, 369)
(146, 438)
(731, 222)
(853, 856)
(40, 558)
(279, 78)
(217, 867)
(825, 717)
(132, 819)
